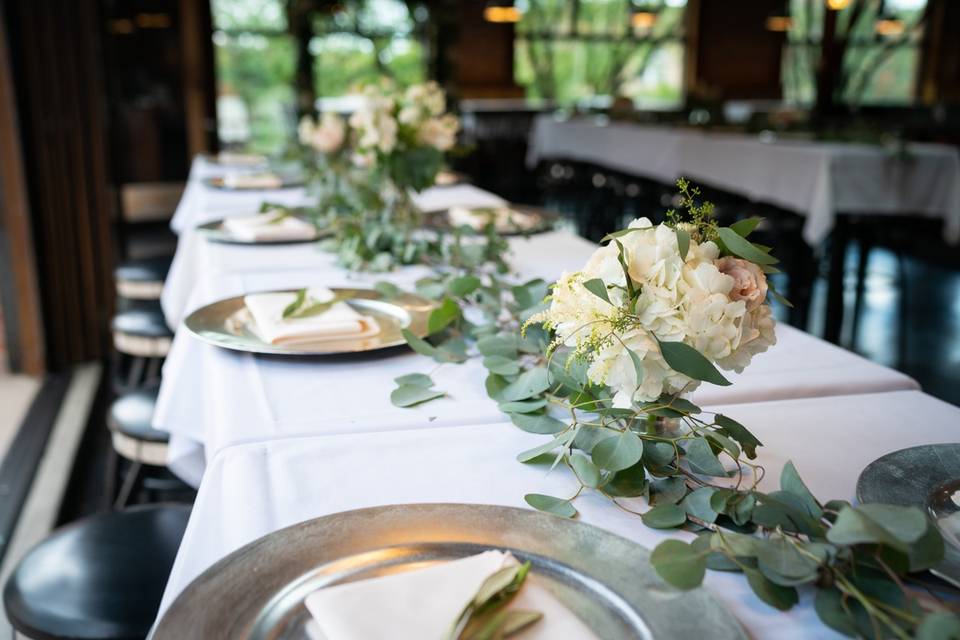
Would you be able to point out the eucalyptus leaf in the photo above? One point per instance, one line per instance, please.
(597, 287)
(683, 243)
(782, 563)
(658, 454)
(892, 525)
(664, 516)
(684, 359)
(738, 432)
(791, 482)
(502, 365)
(522, 406)
(415, 379)
(560, 441)
(586, 471)
(701, 459)
(463, 286)
(746, 226)
(743, 248)
(939, 625)
(408, 395)
(618, 452)
(778, 597)
(697, 504)
(549, 504)
(679, 564)
(667, 490)
(530, 383)
(498, 345)
(443, 316)
(628, 483)
(537, 423)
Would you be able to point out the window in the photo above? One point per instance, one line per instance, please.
(882, 51)
(255, 62)
(255, 53)
(569, 50)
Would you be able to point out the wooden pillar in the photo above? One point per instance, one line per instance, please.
(19, 295)
(482, 55)
(199, 87)
(55, 53)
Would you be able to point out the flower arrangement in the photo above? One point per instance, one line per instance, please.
(367, 166)
(675, 284)
(599, 363)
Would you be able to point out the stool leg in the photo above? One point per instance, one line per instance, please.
(112, 473)
(135, 375)
(129, 482)
(153, 372)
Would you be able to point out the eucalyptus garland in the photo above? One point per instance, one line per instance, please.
(694, 470)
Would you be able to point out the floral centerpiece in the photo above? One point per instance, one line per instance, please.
(368, 166)
(601, 363)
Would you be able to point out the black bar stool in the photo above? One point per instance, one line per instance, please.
(100, 577)
(141, 279)
(142, 336)
(137, 442)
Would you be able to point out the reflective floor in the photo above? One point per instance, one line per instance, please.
(919, 335)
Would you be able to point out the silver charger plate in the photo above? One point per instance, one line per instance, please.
(228, 324)
(214, 232)
(928, 477)
(217, 182)
(257, 592)
(530, 220)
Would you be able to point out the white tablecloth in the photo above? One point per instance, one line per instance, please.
(254, 489)
(212, 398)
(815, 179)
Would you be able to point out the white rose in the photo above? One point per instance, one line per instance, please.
(440, 133)
(329, 135)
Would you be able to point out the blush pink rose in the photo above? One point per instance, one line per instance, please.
(749, 281)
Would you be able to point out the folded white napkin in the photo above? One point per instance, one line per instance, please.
(461, 195)
(235, 159)
(504, 218)
(338, 322)
(252, 181)
(266, 227)
(423, 604)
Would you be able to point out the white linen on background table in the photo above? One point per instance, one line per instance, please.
(815, 179)
(254, 489)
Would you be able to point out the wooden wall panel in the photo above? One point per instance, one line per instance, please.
(732, 55)
(56, 57)
(19, 295)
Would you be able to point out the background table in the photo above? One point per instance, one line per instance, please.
(815, 179)
(251, 490)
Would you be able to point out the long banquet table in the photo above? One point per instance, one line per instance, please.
(816, 179)
(253, 489)
(250, 430)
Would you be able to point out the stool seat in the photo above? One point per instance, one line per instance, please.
(144, 269)
(132, 413)
(100, 577)
(143, 323)
(142, 279)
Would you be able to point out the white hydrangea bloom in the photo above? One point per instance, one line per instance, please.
(687, 299)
